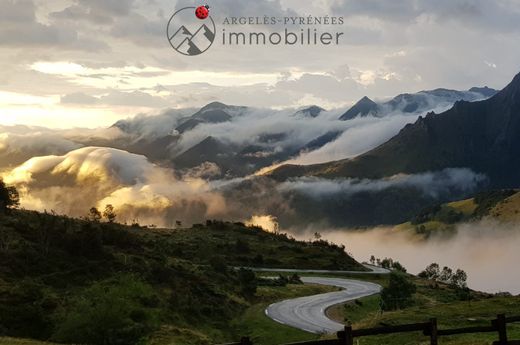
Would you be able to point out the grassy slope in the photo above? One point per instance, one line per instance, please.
(51, 264)
(507, 210)
(431, 300)
(502, 206)
(14, 341)
(439, 302)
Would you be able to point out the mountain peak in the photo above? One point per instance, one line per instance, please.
(364, 107)
(485, 91)
(511, 92)
(483, 136)
(214, 105)
(312, 111)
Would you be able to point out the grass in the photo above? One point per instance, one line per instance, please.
(57, 270)
(466, 207)
(507, 210)
(499, 205)
(432, 303)
(14, 341)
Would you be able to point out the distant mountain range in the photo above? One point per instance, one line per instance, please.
(483, 136)
(416, 103)
(266, 148)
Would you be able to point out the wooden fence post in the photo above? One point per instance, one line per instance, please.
(502, 329)
(245, 341)
(434, 337)
(348, 338)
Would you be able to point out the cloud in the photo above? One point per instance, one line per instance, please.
(477, 247)
(431, 184)
(116, 97)
(267, 222)
(94, 176)
(95, 11)
(16, 148)
(20, 27)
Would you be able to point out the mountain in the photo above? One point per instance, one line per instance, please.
(422, 101)
(312, 111)
(234, 159)
(364, 107)
(321, 141)
(485, 91)
(214, 112)
(483, 136)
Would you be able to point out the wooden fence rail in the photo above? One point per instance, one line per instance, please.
(347, 336)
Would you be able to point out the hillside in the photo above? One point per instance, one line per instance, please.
(502, 206)
(76, 281)
(483, 136)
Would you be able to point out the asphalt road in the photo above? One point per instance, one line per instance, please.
(373, 270)
(308, 313)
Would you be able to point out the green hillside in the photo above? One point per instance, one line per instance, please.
(499, 205)
(75, 281)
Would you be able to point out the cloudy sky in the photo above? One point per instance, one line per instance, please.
(87, 63)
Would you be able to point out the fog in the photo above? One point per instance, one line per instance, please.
(433, 184)
(149, 194)
(486, 250)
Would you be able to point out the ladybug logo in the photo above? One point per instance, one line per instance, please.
(202, 12)
(191, 34)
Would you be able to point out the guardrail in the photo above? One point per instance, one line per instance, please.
(347, 336)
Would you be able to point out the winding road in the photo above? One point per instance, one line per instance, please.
(308, 313)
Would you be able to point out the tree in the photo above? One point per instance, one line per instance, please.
(317, 236)
(431, 272)
(459, 279)
(94, 215)
(399, 292)
(373, 260)
(110, 213)
(248, 282)
(9, 197)
(396, 265)
(446, 274)
(387, 263)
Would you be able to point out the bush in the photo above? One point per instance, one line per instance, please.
(109, 313)
(399, 292)
(248, 282)
(24, 310)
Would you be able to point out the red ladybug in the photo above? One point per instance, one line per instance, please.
(202, 12)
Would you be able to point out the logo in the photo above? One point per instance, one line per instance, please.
(191, 30)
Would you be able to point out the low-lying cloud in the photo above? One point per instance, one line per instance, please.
(433, 184)
(487, 250)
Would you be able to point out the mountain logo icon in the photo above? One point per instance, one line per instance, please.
(188, 34)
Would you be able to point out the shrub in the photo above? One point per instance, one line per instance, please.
(399, 292)
(109, 313)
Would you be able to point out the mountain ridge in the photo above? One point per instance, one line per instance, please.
(482, 135)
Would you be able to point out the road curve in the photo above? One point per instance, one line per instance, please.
(308, 313)
(373, 270)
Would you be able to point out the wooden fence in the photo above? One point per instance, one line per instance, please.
(429, 329)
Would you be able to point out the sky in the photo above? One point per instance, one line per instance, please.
(88, 63)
